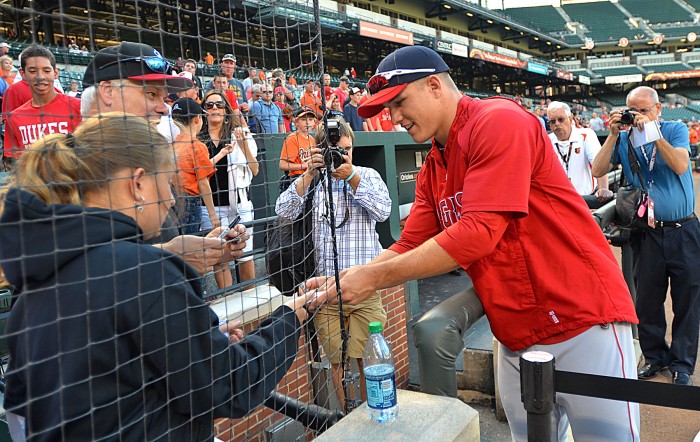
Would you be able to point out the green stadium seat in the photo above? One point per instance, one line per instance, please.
(615, 99)
(652, 11)
(618, 70)
(544, 18)
(604, 20)
(666, 67)
(676, 31)
(691, 93)
(679, 113)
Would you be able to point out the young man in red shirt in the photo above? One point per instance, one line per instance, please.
(498, 204)
(48, 111)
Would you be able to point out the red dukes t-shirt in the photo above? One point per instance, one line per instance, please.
(385, 120)
(28, 123)
(551, 274)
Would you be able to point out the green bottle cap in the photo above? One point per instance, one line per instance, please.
(375, 327)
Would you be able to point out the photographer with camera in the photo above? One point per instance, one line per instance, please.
(361, 200)
(670, 246)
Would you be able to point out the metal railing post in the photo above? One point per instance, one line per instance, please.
(537, 393)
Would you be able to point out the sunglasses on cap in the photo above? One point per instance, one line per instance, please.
(156, 64)
(380, 80)
(211, 104)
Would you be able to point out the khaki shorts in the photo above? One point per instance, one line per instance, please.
(357, 319)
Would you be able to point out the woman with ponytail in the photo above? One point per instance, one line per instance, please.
(108, 336)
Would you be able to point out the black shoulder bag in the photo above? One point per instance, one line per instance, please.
(289, 255)
(631, 200)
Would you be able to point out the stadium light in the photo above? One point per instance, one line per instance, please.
(507, 28)
(446, 6)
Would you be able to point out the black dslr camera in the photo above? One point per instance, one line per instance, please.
(333, 155)
(627, 118)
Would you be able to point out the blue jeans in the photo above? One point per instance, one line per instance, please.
(191, 219)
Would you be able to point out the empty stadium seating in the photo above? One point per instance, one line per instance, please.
(679, 113)
(652, 11)
(691, 93)
(615, 99)
(618, 70)
(667, 67)
(603, 19)
(544, 18)
(676, 31)
(694, 3)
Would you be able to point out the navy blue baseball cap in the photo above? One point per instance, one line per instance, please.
(399, 68)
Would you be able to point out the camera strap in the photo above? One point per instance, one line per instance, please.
(634, 161)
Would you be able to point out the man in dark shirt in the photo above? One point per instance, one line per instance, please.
(350, 111)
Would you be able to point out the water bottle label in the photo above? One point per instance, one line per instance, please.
(381, 391)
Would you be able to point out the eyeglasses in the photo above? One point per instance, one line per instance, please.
(559, 120)
(381, 79)
(211, 104)
(156, 64)
(267, 92)
(644, 111)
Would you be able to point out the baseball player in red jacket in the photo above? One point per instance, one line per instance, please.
(492, 198)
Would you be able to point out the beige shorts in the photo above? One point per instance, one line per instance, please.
(357, 319)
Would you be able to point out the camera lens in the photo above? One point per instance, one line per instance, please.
(627, 118)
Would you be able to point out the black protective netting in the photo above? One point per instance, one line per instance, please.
(114, 282)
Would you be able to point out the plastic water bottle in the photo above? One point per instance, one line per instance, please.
(379, 371)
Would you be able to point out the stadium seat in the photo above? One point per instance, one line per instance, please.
(604, 20)
(667, 67)
(618, 70)
(544, 18)
(651, 11)
(679, 113)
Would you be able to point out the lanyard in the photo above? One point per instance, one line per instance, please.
(565, 158)
(651, 162)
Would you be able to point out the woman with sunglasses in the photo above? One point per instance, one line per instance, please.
(109, 337)
(230, 184)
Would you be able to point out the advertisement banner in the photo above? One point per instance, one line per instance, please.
(460, 50)
(621, 79)
(583, 79)
(537, 68)
(663, 76)
(565, 75)
(443, 46)
(497, 58)
(456, 49)
(380, 32)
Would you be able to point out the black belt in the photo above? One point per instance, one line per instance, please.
(675, 224)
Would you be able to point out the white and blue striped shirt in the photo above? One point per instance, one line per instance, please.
(358, 241)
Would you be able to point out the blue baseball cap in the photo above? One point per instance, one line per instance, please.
(399, 68)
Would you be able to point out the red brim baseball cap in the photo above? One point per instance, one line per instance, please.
(133, 61)
(396, 71)
(375, 103)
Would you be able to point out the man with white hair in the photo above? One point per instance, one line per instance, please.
(134, 78)
(576, 149)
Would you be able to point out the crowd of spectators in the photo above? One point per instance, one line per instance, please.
(213, 127)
